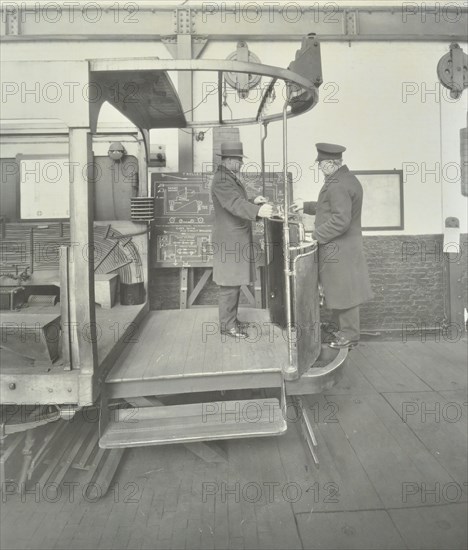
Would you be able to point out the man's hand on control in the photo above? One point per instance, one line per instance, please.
(260, 200)
(266, 211)
(297, 205)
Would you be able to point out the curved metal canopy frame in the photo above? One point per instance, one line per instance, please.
(151, 75)
(302, 92)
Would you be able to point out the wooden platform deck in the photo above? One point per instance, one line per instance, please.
(392, 439)
(175, 345)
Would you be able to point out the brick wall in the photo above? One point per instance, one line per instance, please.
(409, 280)
(406, 279)
(406, 272)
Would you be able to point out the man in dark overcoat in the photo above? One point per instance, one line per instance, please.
(233, 253)
(342, 266)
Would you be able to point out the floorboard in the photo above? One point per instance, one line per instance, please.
(341, 482)
(433, 527)
(353, 380)
(440, 425)
(440, 372)
(183, 347)
(383, 453)
(389, 476)
(385, 372)
(370, 530)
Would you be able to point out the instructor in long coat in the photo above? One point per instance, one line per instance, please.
(233, 254)
(342, 266)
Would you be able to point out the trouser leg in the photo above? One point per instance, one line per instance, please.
(335, 320)
(348, 322)
(228, 303)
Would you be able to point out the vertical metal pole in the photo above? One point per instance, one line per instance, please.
(64, 262)
(220, 97)
(185, 87)
(82, 310)
(144, 186)
(266, 227)
(290, 370)
(264, 135)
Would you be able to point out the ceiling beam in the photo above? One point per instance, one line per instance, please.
(268, 21)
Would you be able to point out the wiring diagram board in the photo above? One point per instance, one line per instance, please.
(184, 216)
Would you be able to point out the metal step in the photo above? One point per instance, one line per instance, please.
(138, 427)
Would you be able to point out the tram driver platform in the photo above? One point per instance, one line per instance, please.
(182, 352)
(179, 353)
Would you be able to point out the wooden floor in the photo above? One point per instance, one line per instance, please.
(392, 442)
(188, 342)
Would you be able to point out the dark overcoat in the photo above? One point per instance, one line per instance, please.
(342, 265)
(233, 252)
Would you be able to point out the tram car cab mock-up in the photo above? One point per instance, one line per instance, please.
(77, 330)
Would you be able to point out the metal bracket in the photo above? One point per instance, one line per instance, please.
(183, 288)
(171, 45)
(351, 23)
(198, 44)
(12, 21)
(184, 21)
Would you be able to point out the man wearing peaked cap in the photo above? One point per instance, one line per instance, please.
(330, 151)
(233, 257)
(342, 266)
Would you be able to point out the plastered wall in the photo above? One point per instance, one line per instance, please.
(382, 100)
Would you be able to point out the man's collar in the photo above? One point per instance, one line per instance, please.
(342, 168)
(334, 177)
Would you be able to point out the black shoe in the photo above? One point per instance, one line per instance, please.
(235, 333)
(242, 325)
(341, 343)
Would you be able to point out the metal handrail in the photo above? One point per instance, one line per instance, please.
(290, 370)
